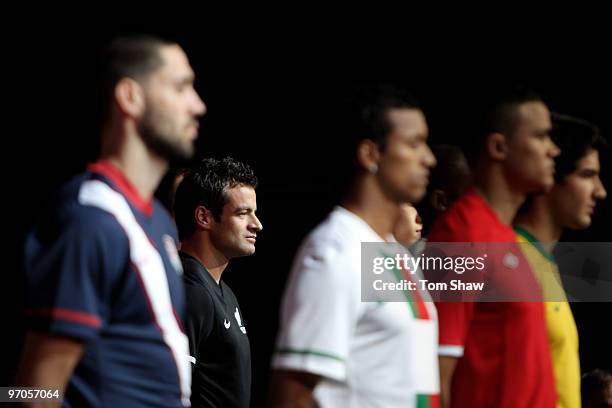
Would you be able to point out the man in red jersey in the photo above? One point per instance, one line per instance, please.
(495, 354)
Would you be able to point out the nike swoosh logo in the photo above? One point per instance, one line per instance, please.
(227, 323)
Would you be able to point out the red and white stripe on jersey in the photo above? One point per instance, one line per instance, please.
(152, 273)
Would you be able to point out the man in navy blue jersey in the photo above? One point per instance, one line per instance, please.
(105, 299)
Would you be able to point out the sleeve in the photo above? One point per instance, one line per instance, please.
(454, 314)
(200, 309)
(453, 322)
(456, 307)
(319, 314)
(70, 274)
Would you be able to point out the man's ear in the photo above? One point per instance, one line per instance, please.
(496, 146)
(129, 97)
(203, 218)
(438, 200)
(368, 155)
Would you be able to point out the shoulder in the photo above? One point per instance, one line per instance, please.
(469, 219)
(164, 219)
(198, 296)
(330, 255)
(337, 236)
(66, 215)
(192, 269)
(197, 289)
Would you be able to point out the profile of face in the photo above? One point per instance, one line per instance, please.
(573, 200)
(404, 163)
(169, 123)
(529, 162)
(454, 177)
(408, 226)
(600, 397)
(234, 235)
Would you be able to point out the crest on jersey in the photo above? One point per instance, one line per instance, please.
(237, 316)
(172, 253)
(510, 261)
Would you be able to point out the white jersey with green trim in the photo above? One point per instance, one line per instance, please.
(369, 354)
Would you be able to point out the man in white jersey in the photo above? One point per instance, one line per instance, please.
(334, 350)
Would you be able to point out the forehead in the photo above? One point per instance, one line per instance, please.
(534, 113)
(175, 63)
(407, 121)
(240, 196)
(589, 160)
(411, 210)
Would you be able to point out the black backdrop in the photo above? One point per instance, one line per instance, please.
(272, 96)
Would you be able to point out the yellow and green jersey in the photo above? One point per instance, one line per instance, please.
(560, 324)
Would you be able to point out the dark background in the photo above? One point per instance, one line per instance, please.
(273, 89)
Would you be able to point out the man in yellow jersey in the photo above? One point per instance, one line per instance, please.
(569, 205)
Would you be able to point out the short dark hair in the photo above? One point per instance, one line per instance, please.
(364, 115)
(205, 184)
(497, 111)
(133, 56)
(575, 137)
(451, 171)
(593, 382)
(369, 106)
(452, 176)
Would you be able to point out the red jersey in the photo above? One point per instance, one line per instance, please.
(504, 359)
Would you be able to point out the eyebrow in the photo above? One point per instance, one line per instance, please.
(244, 208)
(420, 137)
(545, 131)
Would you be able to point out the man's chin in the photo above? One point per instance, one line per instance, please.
(180, 156)
(543, 187)
(584, 222)
(244, 251)
(416, 196)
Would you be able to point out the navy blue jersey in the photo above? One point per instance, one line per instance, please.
(102, 266)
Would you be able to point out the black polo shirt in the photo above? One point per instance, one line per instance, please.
(217, 340)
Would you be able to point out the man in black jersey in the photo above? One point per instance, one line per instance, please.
(215, 208)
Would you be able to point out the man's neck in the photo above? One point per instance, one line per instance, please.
(124, 149)
(369, 203)
(495, 189)
(202, 249)
(539, 222)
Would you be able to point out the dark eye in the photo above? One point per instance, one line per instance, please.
(588, 174)
(414, 144)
